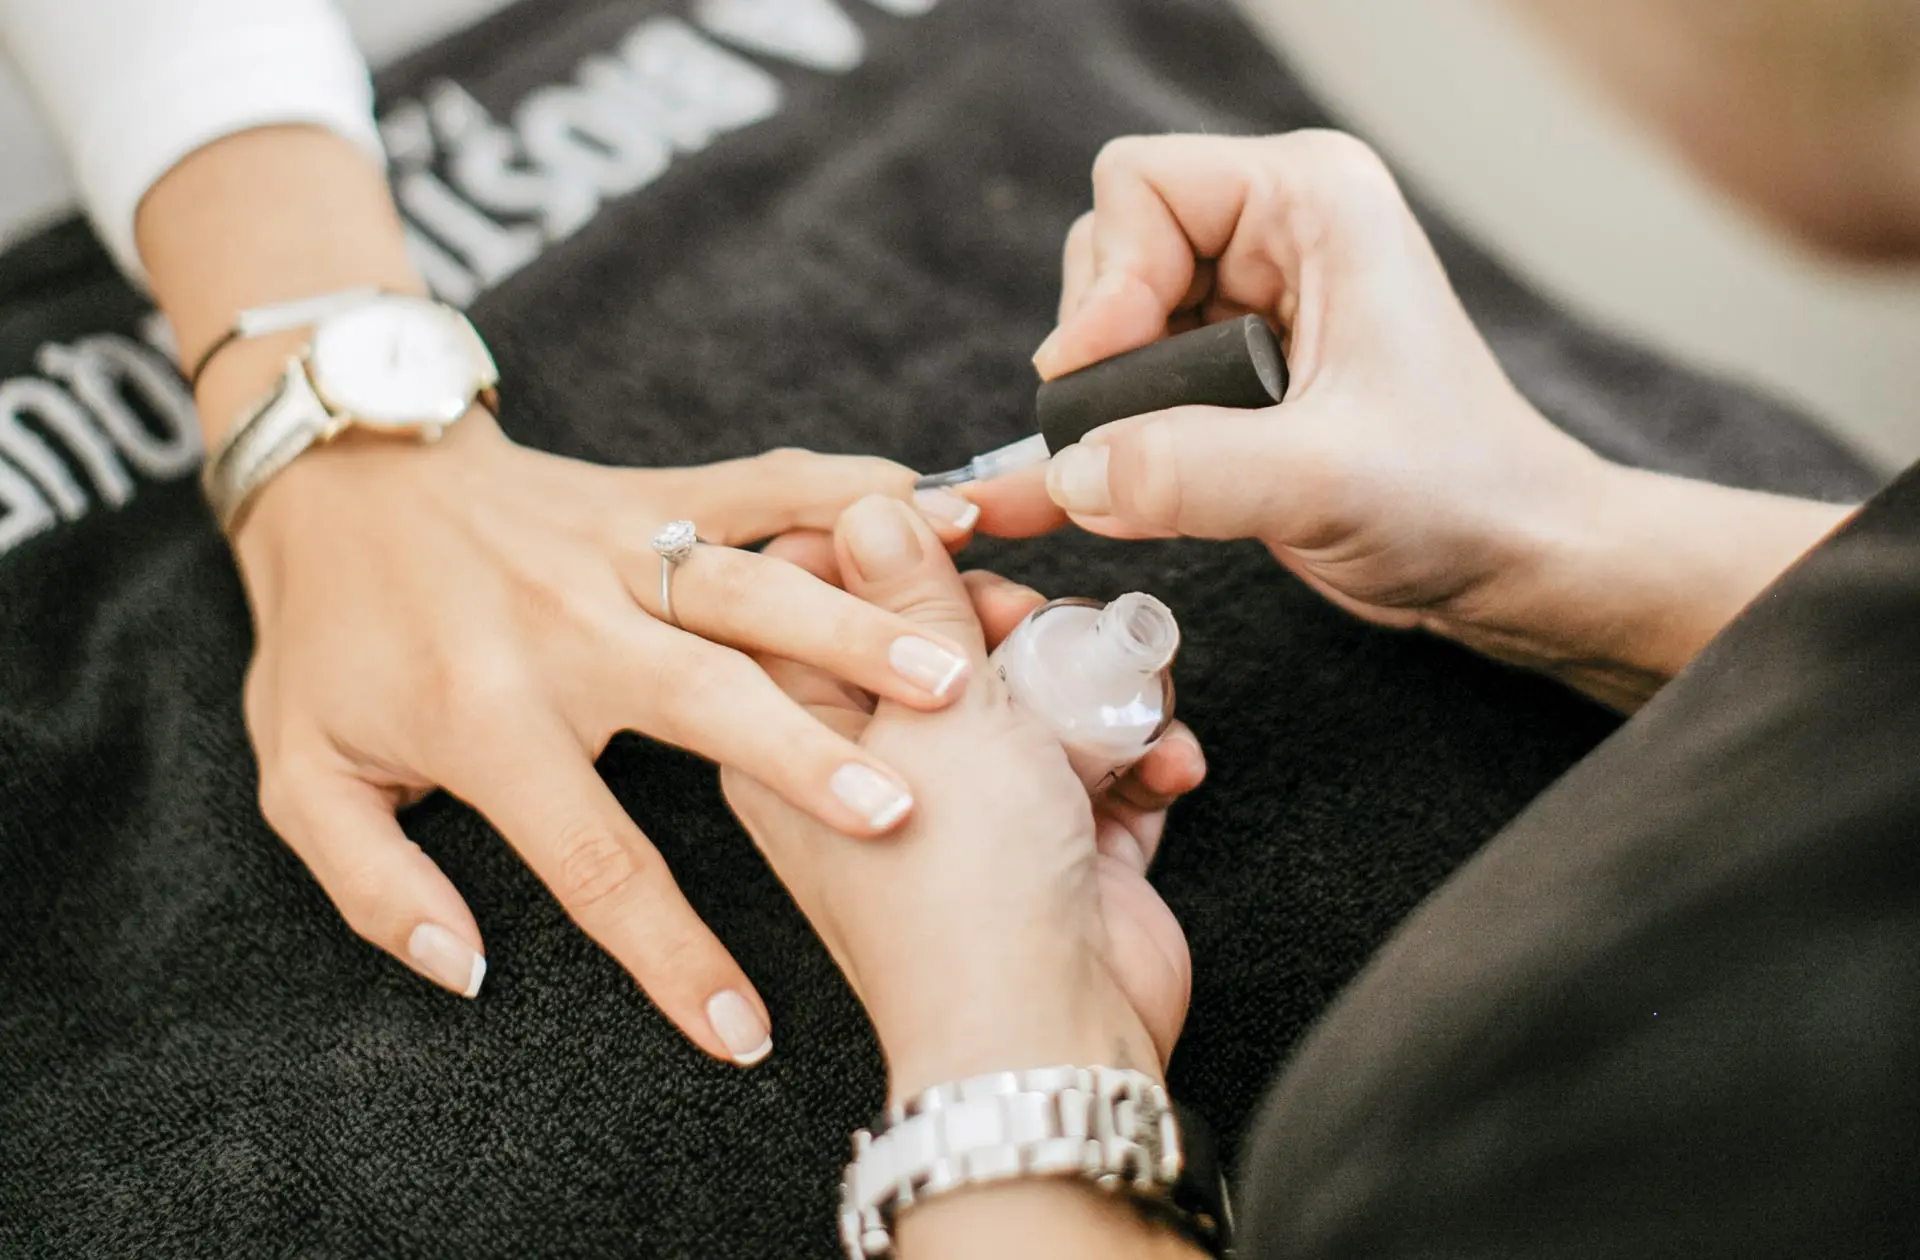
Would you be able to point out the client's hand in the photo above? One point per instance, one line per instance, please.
(1404, 477)
(483, 618)
(1010, 923)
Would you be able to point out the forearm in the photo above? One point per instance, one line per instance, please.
(264, 215)
(1654, 567)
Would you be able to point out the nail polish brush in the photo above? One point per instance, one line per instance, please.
(1233, 364)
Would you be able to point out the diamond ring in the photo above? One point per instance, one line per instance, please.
(674, 544)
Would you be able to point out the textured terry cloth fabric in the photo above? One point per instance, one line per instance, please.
(1674, 1010)
(198, 1059)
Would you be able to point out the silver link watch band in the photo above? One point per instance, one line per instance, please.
(1112, 1126)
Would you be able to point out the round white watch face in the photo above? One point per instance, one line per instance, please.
(397, 361)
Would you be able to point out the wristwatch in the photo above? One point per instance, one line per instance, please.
(389, 362)
(1114, 1127)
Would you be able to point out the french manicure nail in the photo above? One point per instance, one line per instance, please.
(947, 508)
(870, 794)
(739, 1027)
(926, 664)
(447, 959)
(880, 538)
(1077, 479)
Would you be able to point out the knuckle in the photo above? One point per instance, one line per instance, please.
(1350, 163)
(1120, 156)
(596, 868)
(689, 965)
(849, 627)
(590, 603)
(786, 461)
(281, 795)
(275, 799)
(1342, 149)
(476, 687)
(570, 595)
(704, 675)
(929, 607)
(681, 958)
(1147, 487)
(256, 703)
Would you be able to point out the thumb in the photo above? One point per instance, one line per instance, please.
(890, 557)
(1196, 472)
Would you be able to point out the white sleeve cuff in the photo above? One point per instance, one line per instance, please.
(134, 86)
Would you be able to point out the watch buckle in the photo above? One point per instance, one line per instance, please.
(1138, 1135)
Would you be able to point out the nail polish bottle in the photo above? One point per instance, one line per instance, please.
(1098, 676)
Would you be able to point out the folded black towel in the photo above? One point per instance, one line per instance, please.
(834, 223)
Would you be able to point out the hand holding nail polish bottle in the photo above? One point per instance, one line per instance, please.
(1099, 676)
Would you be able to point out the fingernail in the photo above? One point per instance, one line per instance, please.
(944, 507)
(1047, 348)
(870, 794)
(926, 664)
(1102, 289)
(1195, 755)
(739, 1027)
(880, 538)
(1077, 479)
(447, 959)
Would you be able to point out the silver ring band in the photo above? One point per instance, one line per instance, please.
(674, 545)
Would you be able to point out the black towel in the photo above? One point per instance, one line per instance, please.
(848, 241)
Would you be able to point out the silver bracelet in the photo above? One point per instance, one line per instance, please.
(1111, 1126)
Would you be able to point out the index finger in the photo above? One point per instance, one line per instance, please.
(1160, 204)
(1277, 214)
(1015, 504)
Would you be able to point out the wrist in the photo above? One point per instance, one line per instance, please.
(339, 481)
(1643, 570)
(1688, 557)
(947, 1032)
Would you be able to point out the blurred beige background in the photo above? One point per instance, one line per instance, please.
(1489, 126)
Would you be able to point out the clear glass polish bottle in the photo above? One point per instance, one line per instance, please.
(1098, 675)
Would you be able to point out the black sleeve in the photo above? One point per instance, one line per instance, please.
(1674, 1009)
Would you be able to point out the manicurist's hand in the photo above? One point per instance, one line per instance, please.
(481, 617)
(1404, 477)
(1009, 924)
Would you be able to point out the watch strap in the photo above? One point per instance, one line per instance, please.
(1203, 1206)
(276, 317)
(262, 442)
(1114, 1127)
